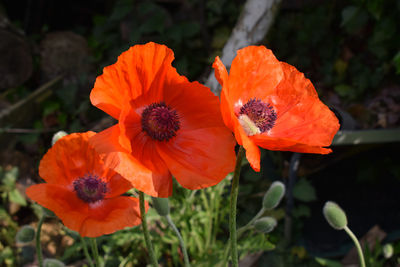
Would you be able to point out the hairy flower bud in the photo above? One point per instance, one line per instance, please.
(274, 195)
(335, 216)
(265, 224)
(161, 205)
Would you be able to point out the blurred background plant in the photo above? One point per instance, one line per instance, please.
(51, 53)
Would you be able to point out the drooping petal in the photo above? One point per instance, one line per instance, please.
(62, 201)
(136, 71)
(302, 117)
(282, 144)
(199, 158)
(70, 158)
(151, 182)
(110, 215)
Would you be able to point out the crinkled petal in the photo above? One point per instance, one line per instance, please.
(91, 220)
(199, 158)
(156, 183)
(282, 144)
(70, 157)
(62, 201)
(110, 215)
(141, 68)
(254, 73)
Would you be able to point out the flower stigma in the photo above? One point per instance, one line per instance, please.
(90, 188)
(256, 117)
(160, 121)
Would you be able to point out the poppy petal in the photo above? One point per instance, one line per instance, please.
(254, 73)
(117, 185)
(253, 153)
(198, 159)
(62, 201)
(110, 215)
(282, 144)
(70, 157)
(132, 75)
(151, 182)
(196, 105)
(301, 115)
(221, 74)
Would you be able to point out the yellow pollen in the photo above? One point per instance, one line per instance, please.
(248, 125)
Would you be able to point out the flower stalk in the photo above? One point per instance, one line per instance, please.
(182, 243)
(146, 234)
(357, 244)
(233, 201)
(95, 251)
(86, 252)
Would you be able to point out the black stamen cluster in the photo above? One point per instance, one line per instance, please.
(90, 188)
(160, 121)
(262, 114)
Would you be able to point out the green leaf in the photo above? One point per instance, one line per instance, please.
(304, 191)
(16, 197)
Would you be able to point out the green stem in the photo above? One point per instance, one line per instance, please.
(95, 251)
(38, 246)
(232, 214)
(182, 243)
(146, 231)
(355, 240)
(240, 231)
(85, 250)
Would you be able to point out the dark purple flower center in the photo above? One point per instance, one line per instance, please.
(90, 188)
(261, 114)
(160, 121)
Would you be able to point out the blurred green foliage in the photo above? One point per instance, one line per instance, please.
(351, 47)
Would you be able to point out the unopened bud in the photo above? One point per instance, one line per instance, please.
(335, 216)
(57, 136)
(265, 224)
(53, 263)
(388, 251)
(274, 195)
(161, 205)
(26, 234)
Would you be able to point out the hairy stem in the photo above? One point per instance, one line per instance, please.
(232, 214)
(146, 233)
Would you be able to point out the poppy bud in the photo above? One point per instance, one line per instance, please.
(265, 224)
(57, 136)
(161, 205)
(274, 195)
(52, 263)
(26, 234)
(388, 251)
(335, 216)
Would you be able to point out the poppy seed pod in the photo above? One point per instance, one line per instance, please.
(161, 205)
(335, 216)
(265, 224)
(274, 195)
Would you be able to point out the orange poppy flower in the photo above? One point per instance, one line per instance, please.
(81, 191)
(271, 104)
(167, 125)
